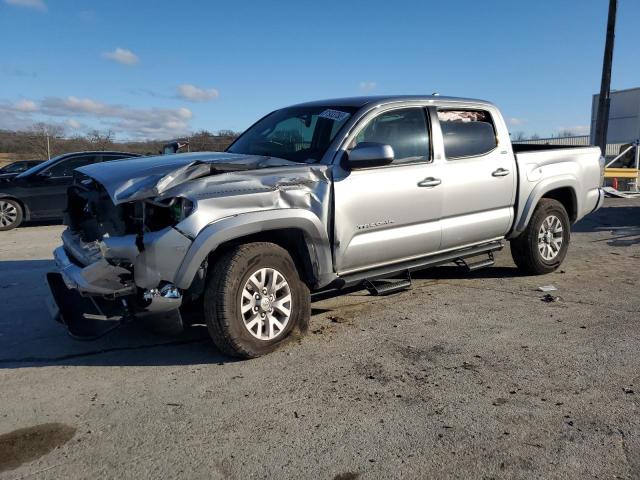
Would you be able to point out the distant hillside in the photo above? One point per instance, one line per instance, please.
(33, 144)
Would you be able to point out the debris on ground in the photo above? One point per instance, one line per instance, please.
(628, 390)
(337, 319)
(612, 192)
(548, 298)
(547, 288)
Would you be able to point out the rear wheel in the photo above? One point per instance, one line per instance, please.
(541, 248)
(254, 299)
(10, 214)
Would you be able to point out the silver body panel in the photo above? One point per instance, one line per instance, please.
(352, 221)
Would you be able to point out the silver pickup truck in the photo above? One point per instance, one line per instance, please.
(321, 195)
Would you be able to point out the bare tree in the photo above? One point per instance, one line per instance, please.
(565, 132)
(535, 136)
(518, 136)
(43, 139)
(204, 140)
(100, 140)
(201, 141)
(227, 133)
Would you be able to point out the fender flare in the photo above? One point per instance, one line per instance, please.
(542, 188)
(237, 226)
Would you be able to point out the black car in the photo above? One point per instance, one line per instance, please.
(40, 193)
(13, 169)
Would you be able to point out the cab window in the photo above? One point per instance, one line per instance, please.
(467, 133)
(65, 168)
(406, 130)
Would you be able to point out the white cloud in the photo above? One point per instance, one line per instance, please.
(127, 121)
(74, 124)
(123, 56)
(368, 86)
(34, 4)
(516, 121)
(196, 94)
(25, 106)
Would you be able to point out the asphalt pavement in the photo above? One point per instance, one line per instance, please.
(464, 376)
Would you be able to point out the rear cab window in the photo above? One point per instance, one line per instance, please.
(467, 133)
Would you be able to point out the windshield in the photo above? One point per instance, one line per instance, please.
(299, 134)
(14, 167)
(40, 167)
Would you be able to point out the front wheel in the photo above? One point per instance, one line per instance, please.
(254, 299)
(541, 248)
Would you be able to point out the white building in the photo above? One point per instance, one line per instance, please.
(624, 116)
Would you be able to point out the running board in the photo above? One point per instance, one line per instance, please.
(386, 286)
(471, 266)
(390, 271)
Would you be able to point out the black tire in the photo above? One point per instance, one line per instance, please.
(223, 296)
(525, 249)
(11, 214)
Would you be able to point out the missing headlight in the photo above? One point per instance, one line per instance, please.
(166, 213)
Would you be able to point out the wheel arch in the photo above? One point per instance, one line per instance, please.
(562, 189)
(298, 231)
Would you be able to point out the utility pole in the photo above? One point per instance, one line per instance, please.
(602, 120)
(48, 147)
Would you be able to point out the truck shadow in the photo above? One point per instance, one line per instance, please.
(40, 223)
(29, 337)
(449, 272)
(623, 223)
(608, 218)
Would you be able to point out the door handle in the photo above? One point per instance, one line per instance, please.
(501, 172)
(430, 182)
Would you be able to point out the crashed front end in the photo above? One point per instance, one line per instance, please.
(132, 226)
(117, 261)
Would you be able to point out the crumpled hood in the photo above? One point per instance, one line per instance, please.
(132, 179)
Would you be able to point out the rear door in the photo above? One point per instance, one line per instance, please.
(388, 214)
(478, 176)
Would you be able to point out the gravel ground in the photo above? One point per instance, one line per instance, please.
(464, 376)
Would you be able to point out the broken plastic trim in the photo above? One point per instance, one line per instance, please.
(86, 318)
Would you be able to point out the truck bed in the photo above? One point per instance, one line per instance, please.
(573, 170)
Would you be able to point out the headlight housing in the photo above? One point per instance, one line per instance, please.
(166, 213)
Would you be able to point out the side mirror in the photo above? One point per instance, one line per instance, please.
(370, 154)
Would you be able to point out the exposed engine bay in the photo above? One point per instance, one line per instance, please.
(92, 214)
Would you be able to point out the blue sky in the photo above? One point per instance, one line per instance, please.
(160, 69)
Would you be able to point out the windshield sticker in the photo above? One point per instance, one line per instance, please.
(335, 115)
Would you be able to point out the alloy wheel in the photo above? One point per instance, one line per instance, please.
(266, 304)
(550, 236)
(8, 213)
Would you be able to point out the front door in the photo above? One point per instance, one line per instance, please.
(388, 214)
(47, 191)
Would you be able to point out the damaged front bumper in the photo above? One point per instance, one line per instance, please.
(99, 286)
(98, 278)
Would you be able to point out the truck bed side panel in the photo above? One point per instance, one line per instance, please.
(543, 171)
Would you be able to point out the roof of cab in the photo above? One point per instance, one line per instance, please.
(359, 102)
